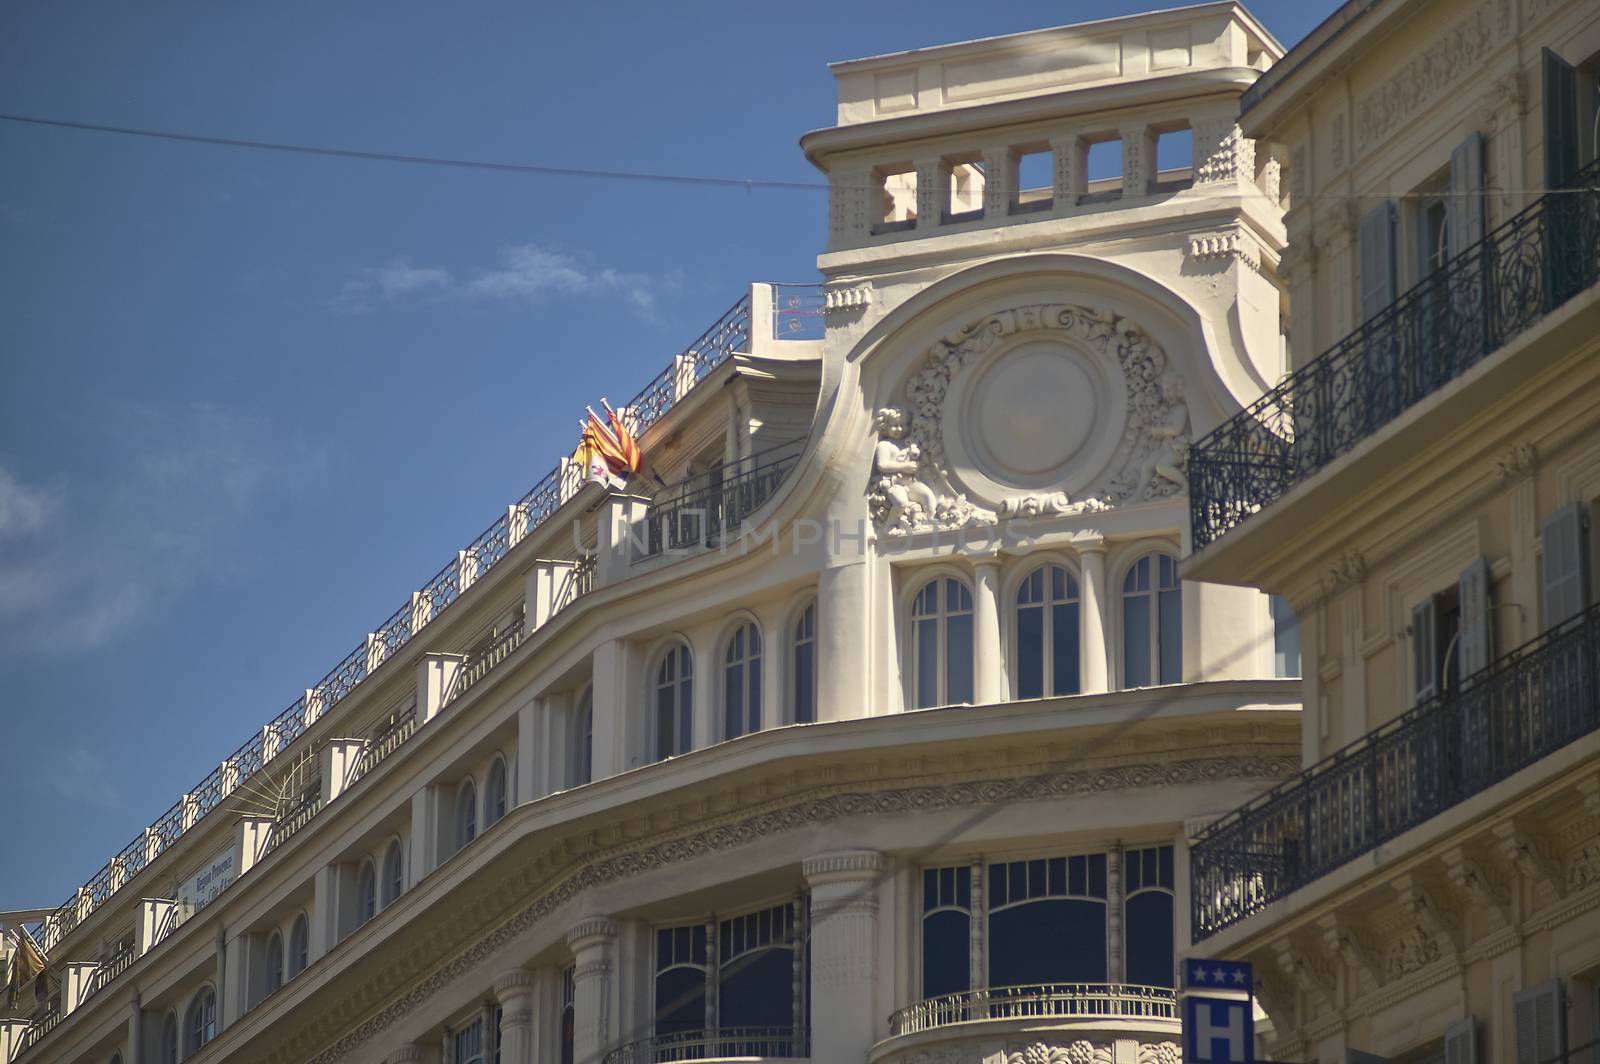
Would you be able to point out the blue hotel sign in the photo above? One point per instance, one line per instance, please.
(1218, 1029)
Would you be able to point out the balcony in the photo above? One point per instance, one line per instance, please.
(975, 1024)
(717, 1044)
(1522, 708)
(706, 511)
(1484, 297)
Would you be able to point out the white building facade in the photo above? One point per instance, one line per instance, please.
(877, 733)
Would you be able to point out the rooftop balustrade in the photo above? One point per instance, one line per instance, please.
(1476, 303)
(705, 511)
(1062, 1001)
(793, 314)
(1521, 708)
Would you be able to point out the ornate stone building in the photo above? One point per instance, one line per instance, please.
(1422, 490)
(872, 730)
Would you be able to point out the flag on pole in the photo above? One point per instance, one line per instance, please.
(629, 447)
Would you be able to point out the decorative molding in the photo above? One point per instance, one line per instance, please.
(1434, 920)
(1452, 57)
(1349, 568)
(1469, 877)
(844, 865)
(406, 1054)
(516, 979)
(1347, 939)
(1051, 504)
(1518, 460)
(821, 806)
(1078, 1051)
(1226, 154)
(1530, 854)
(912, 490)
(1336, 140)
(591, 927)
(1305, 971)
(844, 300)
(1231, 243)
(1412, 950)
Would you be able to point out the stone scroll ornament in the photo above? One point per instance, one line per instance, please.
(912, 489)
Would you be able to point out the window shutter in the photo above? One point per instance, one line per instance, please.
(1541, 1028)
(1473, 649)
(1465, 205)
(1564, 564)
(1560, 120)
(1377, 260)
(1424, 650)
(1461, 1042)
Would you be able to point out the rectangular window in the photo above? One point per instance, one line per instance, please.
(1035, 179)
(1174, 159)
(966, 178)
(1104, 169)
(896, 187)
(1540, 1022)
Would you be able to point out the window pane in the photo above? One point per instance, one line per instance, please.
(1064, 679)
(959, 646)
(733, 701)
(1171, 636)
(758, 991)
(666, 717)
(946, 942)
(753, 721)
(680, 1001)
(1285, 638)
(1149, 938)
(1136, 641)
(927, 693)
(805, 692)
(1054, 941)
(1030, 652)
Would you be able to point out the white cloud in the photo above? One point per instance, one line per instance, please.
(526, 273)
(104, 554)
(83, 776)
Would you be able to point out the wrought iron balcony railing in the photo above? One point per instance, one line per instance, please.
(1076, 1001)
(1503, 718)
(705, 510)
(719, 1043)
(1482, 298)
(731, 333)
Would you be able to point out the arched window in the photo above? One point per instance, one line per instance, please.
(803, 665)
(200, 1026)
(674, 702)
(495, 798)
(1147, 915)
(741, 682)
(1047, 633)
(583, 739)
(299, 945)
(274, 962)
(1047, 921)
(169, 1039)
(681, 964)
(466, 813)
(366, 892)
(1152, 622)
(946, 930)
(394, 873)
(941, 643)
(755, 978)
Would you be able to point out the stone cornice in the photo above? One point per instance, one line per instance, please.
(845, 866)
(590, 929)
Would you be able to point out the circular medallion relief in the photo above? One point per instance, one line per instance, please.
(1030, 415)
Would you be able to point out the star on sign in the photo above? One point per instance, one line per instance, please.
(1218, 975)
(1198, 973)
(1238, 976)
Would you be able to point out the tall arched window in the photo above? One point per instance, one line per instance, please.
(366, 892)
(1047, 921)
(674, 702)
(201, 1023)
(299, 945)
(466, 813)
(582, 761)
(1152, 622)
(803, 665)
(494, 801)
(274, 962)
(741, 682)
(680, 983)
(1147, 915)
(946, 930)
(169, 1039)
(394, 873)
(755, 978)
(1047, 633)
(941, 643)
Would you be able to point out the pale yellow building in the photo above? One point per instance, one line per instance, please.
(1422, 488)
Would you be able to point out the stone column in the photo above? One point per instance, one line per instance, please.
(988, 673)
(1096, 660)
(235, 1001)
(1070, 168)
(324, 929)
(933, 191)
(621, 731)
(1000, 180)
(844, 952)
(423, 853)
(518, 1021)
(135, 1053)
(593, 941)
(1138, 160)
(531, 782)
(842, 663)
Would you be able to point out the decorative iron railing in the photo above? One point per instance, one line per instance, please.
(1482, 298)
(388, 739)
(704, 510)
(720, 1043)
(1503, 718)
(1120, 1001)
(477, 667)
(295, 815)
(730, 333)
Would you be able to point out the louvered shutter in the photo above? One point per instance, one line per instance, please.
(1377, 260)
(1461, 1042)
(1473, 649)
(1465, 205)
(1424, 650)
(1540, 1021)
(1560, 120)
(1564, 564)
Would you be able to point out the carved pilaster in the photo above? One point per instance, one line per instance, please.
(1473, 880)
(1138, 160)
(592, 942)
(1306, 971)
(933, 191)
(1530, 854)
(1348, 939)
(1435, 920)
(844, 948)
(1070, 169)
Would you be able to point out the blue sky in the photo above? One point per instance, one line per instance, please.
(249, 400)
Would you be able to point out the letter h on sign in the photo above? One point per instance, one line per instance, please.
(1218, 1030)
